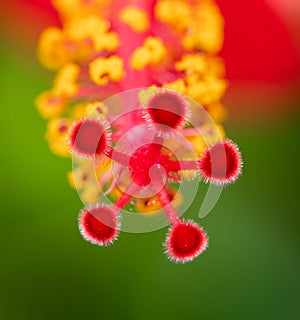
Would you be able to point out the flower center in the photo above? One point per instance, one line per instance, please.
(141, 162)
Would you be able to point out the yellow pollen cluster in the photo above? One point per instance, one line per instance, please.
(203, 75)
(152, 52)
(85, 27)
(84, 180)
(93, 109)
(207, 90)
(78, 8)
(57, 136)
(52, 51)
(177, 85)
(94, 29)
(199, 22)
(97, 109)
(102, 70)
(207, 137)
(205, 30)
(80, 38)
(50, 105)
(136, 18)
(152, 204)
(65, 82)
(176, 13)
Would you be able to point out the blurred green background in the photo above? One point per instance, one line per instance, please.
(47, 271)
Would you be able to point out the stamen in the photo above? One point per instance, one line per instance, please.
(89, 138)
(171, 213)
(185, 241)
(221, 163)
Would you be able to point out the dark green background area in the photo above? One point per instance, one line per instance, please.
(250, 271)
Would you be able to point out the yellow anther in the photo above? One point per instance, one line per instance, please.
(176, 13)
(215, 66)
(50, 105)
(197, 143)
(136, 18)
(86, 27)
(78, 111)
(67, 7)
(65, 82)
(52, 51)
(94, 29)
(102, 167)
(211, 134)
(191, 63)
(177, 85)
(208, 135)
(71, 180)
(140, 58)
(90, 194)
(82, 175)
(207, 90)
(77, 8)
(115, 193)
(206, 30)
(148, 205)
(215, 89)
(188, 174)
(157, 49)
(217, 111)
(193, 78)
(96, 109)
(56, 136)
(152, 52)
(152, 204)
(104, 69)
(106, 41)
